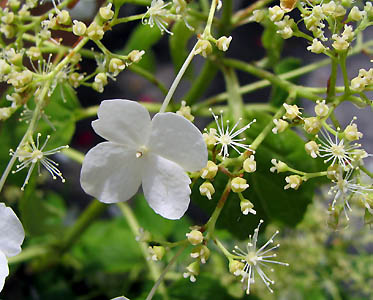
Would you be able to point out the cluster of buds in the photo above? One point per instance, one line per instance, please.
(204, 47)
(360, 82)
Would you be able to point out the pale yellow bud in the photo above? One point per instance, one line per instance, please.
(201, 252)
(192, 271)
(210, 138)
(294, 181)
(185, 111)
(209, 172)
(106, 13)
(278, 166)
(207, 189)
(292, 111)
(156, 252)
(312, 125)
(249, 165)
(75, 79)
(312, 148)
(280, 126)
(239, 184)
(79, 28)
(223, 43)
(203, 48)
(195, 237)
(276, 13)
(247, 207)
(136, 55)
(236, 267)
(95, 31)
(63, 17)
(321, 109)
(34, 53)
(116, 65)
(351, 133)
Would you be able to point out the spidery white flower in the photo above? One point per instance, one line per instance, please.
(157, 14)
(226, 137)
(155, 153)
(254, 259)
(337, 151)
(345, 188)
(11, 238)
(30, 155)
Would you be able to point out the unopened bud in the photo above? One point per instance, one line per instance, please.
(209, 172)
(239, 184)
(195, 237)
(207, 189)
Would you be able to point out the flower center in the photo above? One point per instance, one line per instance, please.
(36, 155)
(338, 150)
(141, 151)
(225, 139)
(251, 258)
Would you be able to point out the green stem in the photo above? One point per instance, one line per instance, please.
(366, 171)
(332, 80)
(344, 74)
(177, 80)
(223, 249)
(207, 32)
(164, 272)
(27, 254)
(127, 19)
(135, 228)
(235, 102)
(242, 15)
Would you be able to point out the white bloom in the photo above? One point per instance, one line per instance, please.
(226, 137)
(254, 259)
(11, 238)
(31, 155)
(316, 47)
(337, 151)
(155, 153)
(158, 14)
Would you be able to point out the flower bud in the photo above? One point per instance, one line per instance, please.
(312, 148)
(280, 126)
(278, 166)
(195, 237)
(236, 267)
(223, 43)
(157, 252)
(192, 271)
(258, 15)
(210, 137)
(209, 172)
(201, 252)
(321, 109)
(247, 207)
(312, 125)
(207, 189)
(288, 5)
(316, 47)
(292, 111)
(249, 165)
(116, 66)
(4, 67)
(355, 14)
(106, 13)
(75, 79)
(8, 17)
(351, 132)
(5, 113)
(203, 48)
(239, 184)
(185, 111)
(95, 31)
(294, 181)
(34, 53)
(63, 17)
(276, 13)
(100, 82)
(79, 28)
(331, 172)
(136, 55)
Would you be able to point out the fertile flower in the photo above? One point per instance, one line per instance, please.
(254, 259)
(139, 150)
(29, 155)
(158, 14)
(226, 137)
(11, 238)
(345, 188)
(337, 151)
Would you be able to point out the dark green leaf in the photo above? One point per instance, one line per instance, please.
(272, 42)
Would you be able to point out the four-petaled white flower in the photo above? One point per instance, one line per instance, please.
(255, 259)
(226, 137)
(11, 238)
(139, 150)
(158, 14)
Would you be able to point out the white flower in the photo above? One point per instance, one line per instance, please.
(11, 238)
(344, 188)
(337, 151)
(31, 155)
(155, 153)
(226, 137)
(158, 14)
(254, 259)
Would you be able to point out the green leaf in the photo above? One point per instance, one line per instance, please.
(279, 95)
(42, 213)
(108, 246)
(178, 46)
(143, 38)
(272, 42)
(271, 202)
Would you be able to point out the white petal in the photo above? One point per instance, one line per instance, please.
(166, 187)
(11, 231)
(111, 172)
(123, 121)
(177, 139)
(4, 270)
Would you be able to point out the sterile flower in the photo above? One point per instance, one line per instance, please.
(155, 153)
(226, 137)
(11, 238)
(254, 259)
